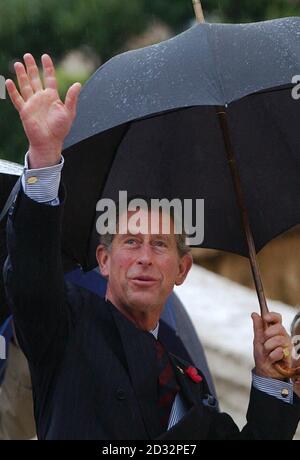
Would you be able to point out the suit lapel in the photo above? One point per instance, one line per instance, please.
(140, 354)
(190, 394)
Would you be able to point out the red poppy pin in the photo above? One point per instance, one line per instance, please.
(193, 374)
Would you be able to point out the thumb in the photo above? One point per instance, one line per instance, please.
(258, 328)
(72, 97)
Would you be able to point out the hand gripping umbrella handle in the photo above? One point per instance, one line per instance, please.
(281, 366)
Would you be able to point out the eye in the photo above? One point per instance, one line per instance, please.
(160, 244)
(130, 241)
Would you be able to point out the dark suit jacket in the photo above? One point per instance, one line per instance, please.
(93, 372)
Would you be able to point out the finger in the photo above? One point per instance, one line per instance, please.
(276, 355)
(23, 80)
(49, 72)
(258, 328)
(14, 95)
(33, 72)
(272, 318)
(72, 97)
(275, 342)
(276, 329)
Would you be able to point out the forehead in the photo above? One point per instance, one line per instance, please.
(147, 222)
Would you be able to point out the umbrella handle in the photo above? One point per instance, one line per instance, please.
(281, 366)
(285, 371)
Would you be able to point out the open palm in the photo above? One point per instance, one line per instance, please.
(46, 119)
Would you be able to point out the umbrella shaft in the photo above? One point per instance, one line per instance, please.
(198, 11)
(222, 116)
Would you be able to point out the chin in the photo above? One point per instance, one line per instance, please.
(142, 303)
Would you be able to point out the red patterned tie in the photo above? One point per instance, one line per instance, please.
(167, 384)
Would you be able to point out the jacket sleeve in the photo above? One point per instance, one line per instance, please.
(34, 279)
(268, 418)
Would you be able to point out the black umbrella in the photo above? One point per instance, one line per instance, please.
(164, 121)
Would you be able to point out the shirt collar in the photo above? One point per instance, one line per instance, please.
(155, 331)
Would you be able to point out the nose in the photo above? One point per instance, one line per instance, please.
(145, 255)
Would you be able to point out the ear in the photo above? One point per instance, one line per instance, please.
(185, 264)
(103, 259)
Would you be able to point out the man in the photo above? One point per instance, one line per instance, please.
(125, 385)
(16, 402)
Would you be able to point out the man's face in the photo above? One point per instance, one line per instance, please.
(142, 268)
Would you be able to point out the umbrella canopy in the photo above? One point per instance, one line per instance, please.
(147, 123)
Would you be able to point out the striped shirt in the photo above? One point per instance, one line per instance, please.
(42, 184)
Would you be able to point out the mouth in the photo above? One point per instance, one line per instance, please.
(144, 281)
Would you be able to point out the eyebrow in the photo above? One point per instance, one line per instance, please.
(153, 235)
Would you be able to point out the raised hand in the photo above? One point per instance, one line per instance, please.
(46, 119)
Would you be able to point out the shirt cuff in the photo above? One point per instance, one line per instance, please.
(42, 184)
(277, 388)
